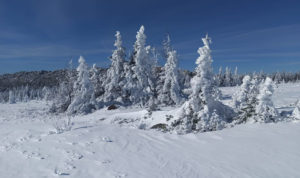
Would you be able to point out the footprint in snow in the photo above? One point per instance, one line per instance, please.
(60, 172)
(8, 146)
(29, 155)
(89, 143)
(120, 175)
(29, 138)
(73, 155)
(106, 139)
(107, 161)
(104, 162)
(65, 169)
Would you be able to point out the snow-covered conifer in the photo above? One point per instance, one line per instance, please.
(202, 112)
(65, 91)
(236, 80)
(84, 99)
(115, 74)
(245, 100)
(98, 79)
(139, 72)
(94, 74)
(11, 98)
(278, 77)
(241, 96)
(219, 78)
(296, 111)
(141, 57)
(46, 93)
(167, 47)
(265, 109)
(25, 94)
(228, 77)
(171, 91)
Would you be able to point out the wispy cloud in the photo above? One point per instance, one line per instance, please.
(253, 54)
(48, 50)
(263, 31)
(10, 35)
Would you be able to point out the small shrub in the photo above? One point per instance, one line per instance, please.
(63, 125)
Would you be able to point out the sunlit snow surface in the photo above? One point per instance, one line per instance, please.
(99, 147)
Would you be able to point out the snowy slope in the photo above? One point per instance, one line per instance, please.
(94, 147)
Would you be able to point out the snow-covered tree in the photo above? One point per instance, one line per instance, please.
(25, 94)
(115, 74)
(278, 77)
(11, 98)
(296, 111)
(219, 78)
(94, 74)
(98, 80)
(265, 109)
(202, 112)
(63, 98)
(47, 93)
(241, 96)
(139, 72)
(171, 91)
(245, 100)
(167, 47)
(228, 77)
(236, 80)
(65, 92)
(84, 99)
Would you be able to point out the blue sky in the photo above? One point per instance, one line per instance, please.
(252, 35)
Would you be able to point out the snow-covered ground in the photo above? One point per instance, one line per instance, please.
(97, 146)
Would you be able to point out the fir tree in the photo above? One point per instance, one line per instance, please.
(245, 100)
(228, 77)
(65, 92)
(171, 91)
(167, 47)
(115, 74)
(139, 87)
(84, 99)
(241, 96)
(296, 111)
(265, 109)
(11, 98)
(202, 112)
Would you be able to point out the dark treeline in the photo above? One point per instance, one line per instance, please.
(40, 84)
(229, 78)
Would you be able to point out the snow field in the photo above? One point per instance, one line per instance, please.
(94, 147)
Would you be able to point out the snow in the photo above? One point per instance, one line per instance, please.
(97, 146)
(285, 96)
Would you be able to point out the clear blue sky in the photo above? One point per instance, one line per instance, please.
(253, 35)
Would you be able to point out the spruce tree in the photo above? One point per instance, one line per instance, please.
(84, 99)
(247, 100)
(203, 112)
(139, 87)
(265, 110)
(115, 74)
(11, 97)
(171, 91)
(228, 77)
(296, 111)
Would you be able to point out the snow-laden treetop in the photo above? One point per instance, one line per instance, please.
(140, 38)
(81, 60)
(204, 51)
(118, 42)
